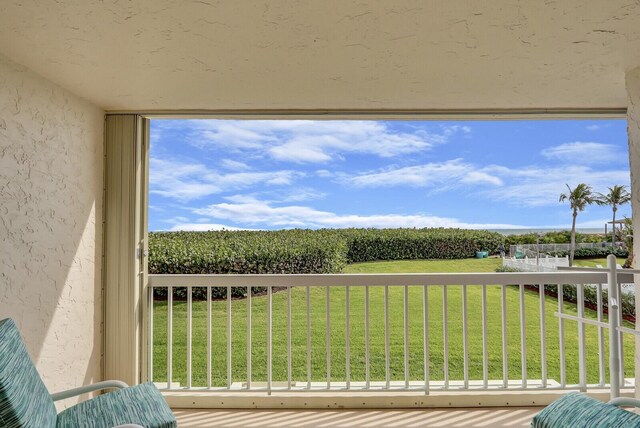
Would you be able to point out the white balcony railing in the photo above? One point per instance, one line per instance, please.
(393, 332)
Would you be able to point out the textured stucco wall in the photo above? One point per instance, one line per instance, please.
(633, 125)
(51, 175)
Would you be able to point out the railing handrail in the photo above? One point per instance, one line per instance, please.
(450, 285)
(381, 279)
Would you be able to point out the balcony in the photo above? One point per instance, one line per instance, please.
(385, 340)
(496, 417)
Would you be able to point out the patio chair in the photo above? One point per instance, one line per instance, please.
(25, 401)
(576, 410)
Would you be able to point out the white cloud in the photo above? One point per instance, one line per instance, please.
(446, 174)
(593, 127)
(479, 177)
(247, 210)
(535, 186)
(308, 141)
(234, 165)
(324, 173)
(584, 153)
(528, 186)
(187, 181)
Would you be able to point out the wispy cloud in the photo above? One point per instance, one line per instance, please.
(593, 127)
(244, 210)
(306, 141)
(186, 181)
(449, 173)
(584, 153)
(537, 186)
(528, 186)
(234, 165)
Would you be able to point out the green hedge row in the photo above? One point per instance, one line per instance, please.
(303, 251)
(560, 237)
(588, 253)
(411, 244)
(307, 251)
(570, 294)
(243, 252)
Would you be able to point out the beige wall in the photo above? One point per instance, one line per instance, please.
(633, 128)
(51, 175)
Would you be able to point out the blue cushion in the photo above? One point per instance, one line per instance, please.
(577, 410)
(140, 404)
(24, 400)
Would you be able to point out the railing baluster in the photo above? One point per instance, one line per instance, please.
(348, 337)
(465, 339)
(406, 336)
(269, 335)
(485, 348)
(229, 378)
(189, 334)
(543, 336)
(601, 373)
(328, 316)
(208, 336)
(445, 332)
(425, 326)
(150, 338)
(505, 356)
(563, 373)
(308, 291)
(169, 336)
(387, 374)
(582, 354)
(367, 357)
(249, 322)
(289, 356)
(391, 381)
(523, 339)
(620, 336)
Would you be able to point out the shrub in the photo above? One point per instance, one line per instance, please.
(570, 294)
(589, 253)
(243, 252)
(302, 251)
(561, 237)
(410, 244)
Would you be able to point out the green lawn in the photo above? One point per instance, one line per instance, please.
(595, 262)
(338, 321)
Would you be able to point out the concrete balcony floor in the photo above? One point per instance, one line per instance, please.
(493, 417)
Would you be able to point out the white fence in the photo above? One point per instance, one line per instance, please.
(532, 249)
(375, 332)
(540, 264)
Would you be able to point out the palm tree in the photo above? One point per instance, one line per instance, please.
(579, 197)
(617, 196)
(627, 232)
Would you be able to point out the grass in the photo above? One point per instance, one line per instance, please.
(377, 337)
(595, 262)
(434, 266)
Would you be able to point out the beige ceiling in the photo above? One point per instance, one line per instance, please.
(329, 54)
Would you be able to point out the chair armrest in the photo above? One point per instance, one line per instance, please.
(624, 401)
(107, 384)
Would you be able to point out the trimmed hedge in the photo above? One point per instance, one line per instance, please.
(303, 251)
(560, 237)
(243, 252)
(589, 253)
(412, 244)
(570, 294)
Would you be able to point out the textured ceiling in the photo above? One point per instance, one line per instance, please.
(330, 54)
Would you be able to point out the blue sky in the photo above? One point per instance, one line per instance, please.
(250, 174)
